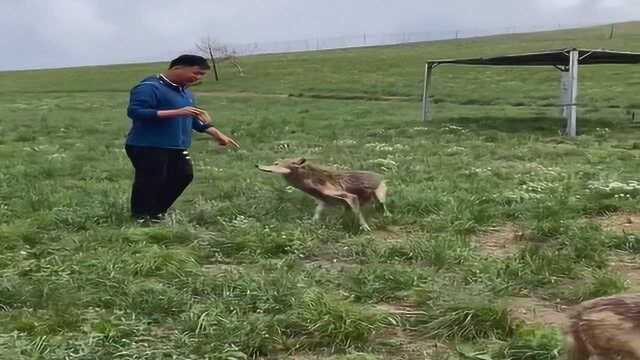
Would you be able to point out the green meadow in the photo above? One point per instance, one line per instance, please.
(498, 223)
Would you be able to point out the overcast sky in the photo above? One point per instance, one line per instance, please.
(54, 33)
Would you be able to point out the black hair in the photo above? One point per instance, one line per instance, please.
(190, 60)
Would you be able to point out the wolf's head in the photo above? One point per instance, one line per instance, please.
(284, 166)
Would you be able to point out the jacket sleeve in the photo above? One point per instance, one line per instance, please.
(195, 123)
(198, 126)
(143, 102)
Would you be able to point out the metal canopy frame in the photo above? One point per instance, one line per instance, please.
(565, 60)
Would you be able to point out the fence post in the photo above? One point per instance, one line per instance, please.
(611, 33)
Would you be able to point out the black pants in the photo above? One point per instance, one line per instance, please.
(161, 175)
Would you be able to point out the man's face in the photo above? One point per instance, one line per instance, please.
(190, 75)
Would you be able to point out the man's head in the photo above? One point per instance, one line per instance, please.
(187, 69)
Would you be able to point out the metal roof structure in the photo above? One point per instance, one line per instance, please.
(566, 60)
(558, 57)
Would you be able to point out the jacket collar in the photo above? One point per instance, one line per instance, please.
(169, 82)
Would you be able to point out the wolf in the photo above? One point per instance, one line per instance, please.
(329, 187)
(605, 328)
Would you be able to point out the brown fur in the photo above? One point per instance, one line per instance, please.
(332, 187)
(605, 328)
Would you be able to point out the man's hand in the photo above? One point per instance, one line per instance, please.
(186, 111)
(221, 138)
(202, 115)
(224, 140)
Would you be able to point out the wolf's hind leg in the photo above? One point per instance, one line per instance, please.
(381, 196)
(354, 203)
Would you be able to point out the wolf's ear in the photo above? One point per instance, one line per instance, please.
(301, 161)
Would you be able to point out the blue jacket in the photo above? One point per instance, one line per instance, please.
(146, 98)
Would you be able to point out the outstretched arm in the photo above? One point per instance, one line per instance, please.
(221, 138)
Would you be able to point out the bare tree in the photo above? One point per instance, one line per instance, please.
(207, 47)
(218, 53)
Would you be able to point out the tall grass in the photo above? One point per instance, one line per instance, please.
(239, 270)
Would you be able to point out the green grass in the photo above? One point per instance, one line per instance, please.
(239, 270)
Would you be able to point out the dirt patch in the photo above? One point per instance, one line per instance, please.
(240, 94)
(619, 223)
(362, 97)
(405, 344)
(330, 265)
(501, 241)
(404, 310)
(215, 269)
(532, 310)
(628, 266)
(163, 331)
(395, 233)
(391, 343)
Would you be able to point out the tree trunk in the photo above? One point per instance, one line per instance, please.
(213, 63)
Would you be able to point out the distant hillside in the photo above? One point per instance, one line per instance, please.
(385, 70)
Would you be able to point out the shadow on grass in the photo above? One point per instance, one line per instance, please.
(540, 125)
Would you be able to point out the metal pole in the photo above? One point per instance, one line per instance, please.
(573, 92)
(564, 93)
(426, 94)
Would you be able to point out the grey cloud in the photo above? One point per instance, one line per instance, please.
(52, 33)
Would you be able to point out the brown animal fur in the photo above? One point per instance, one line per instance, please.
(331, 187)
(605, 328)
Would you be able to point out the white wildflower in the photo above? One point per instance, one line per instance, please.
(386, 147)
(385, 164)
(455, 150)
(479, 171)
(346, 142)
(56, 156)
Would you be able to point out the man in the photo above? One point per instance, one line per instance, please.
(163, 114)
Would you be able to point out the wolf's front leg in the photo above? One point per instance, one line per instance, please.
(319, 207)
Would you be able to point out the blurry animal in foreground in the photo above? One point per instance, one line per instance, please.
(605, 328)
(330, 187)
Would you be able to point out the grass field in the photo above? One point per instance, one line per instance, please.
(498, 223)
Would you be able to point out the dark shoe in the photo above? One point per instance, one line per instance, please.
(157, 218)
(148, 219)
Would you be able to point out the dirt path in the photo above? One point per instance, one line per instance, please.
(362, 97)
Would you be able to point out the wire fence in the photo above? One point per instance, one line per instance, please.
(369, 39)
(366, 39)
(336, 42)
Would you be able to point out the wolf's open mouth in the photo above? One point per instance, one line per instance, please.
(273, 169)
